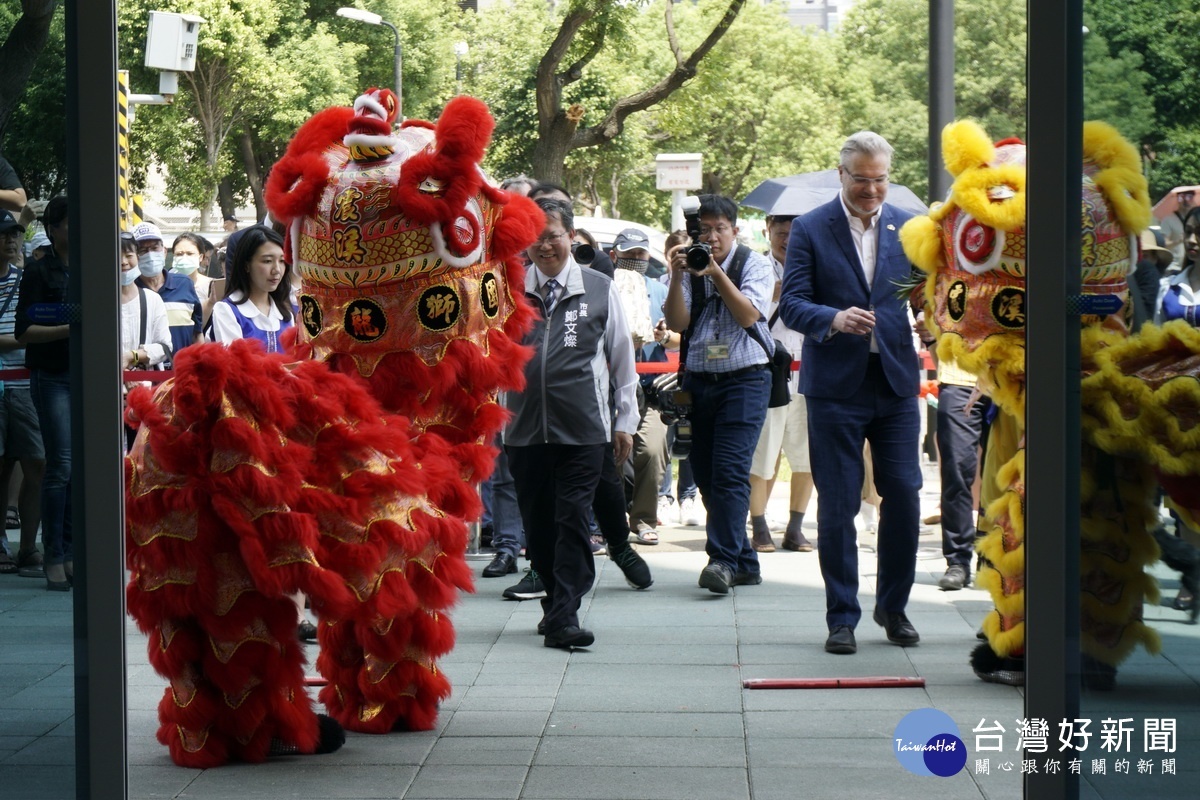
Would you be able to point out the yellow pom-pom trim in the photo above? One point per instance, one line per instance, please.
(1105, 147)
(921, 239)
(965, 145)
(1120, 177)
(1127, 195)
(972, 193)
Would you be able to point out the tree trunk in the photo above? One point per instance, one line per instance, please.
(551, 150)
(253, 175)
(558, 132)
(225, 200)
(20, 52)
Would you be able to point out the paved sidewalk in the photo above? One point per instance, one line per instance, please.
(655, 709)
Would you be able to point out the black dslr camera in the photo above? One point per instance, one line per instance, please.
(674, 406)
(698, 253)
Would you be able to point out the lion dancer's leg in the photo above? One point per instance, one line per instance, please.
(237, 694)
(1002, 572)
(1117, 515)
(382, 662)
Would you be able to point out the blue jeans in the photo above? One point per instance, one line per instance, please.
(52, 397)
(508, 535)
(727, 417)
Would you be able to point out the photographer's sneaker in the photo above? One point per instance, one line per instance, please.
(689, 512)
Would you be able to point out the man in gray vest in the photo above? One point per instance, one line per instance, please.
(562, 422)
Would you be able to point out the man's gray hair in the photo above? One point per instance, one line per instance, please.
(561, 208)
(867, 143)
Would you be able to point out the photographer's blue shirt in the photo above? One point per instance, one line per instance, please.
(717, 333)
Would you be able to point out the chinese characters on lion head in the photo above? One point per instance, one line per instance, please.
(345, 468)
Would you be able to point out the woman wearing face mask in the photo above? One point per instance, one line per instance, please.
(187, 255)
(184, 313)
(257, 302)
(145, 336)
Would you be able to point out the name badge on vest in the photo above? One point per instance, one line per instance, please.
(716, 352)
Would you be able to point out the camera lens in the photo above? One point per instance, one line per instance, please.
(698, 256)
(584, 253)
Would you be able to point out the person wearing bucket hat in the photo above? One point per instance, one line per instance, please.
(185, 314)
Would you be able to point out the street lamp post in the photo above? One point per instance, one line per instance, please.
(460, 50)
(370, 18)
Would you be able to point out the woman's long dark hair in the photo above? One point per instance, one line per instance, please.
(238, 279)
(1192, 216)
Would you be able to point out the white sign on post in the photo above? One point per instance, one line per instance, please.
(678, 171)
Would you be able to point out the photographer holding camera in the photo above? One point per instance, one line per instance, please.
(717, 290)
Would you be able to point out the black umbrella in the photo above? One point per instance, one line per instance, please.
(799, 194)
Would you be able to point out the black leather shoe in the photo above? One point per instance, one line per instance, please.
(956, 578)
(503, 564)
(899, 630)
(568, 637)
(841, 641)
(717, 578)
(746, 579)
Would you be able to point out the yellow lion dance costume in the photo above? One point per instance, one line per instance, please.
(1139, 416)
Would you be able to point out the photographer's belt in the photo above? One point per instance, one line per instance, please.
(717, 377)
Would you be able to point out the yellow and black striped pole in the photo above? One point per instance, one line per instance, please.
(124, 206)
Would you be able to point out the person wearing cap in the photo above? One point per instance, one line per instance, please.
(642, 299)
(185, 314)
(39, 245)
(47, 356)
(20, 435)
(230, 223)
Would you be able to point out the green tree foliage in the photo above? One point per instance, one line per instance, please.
(767, 103)
(35, 134)
(885, 45)
(1165, 34)
(262, 67)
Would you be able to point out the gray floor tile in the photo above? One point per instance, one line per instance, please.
(620, 783)
(641, 751)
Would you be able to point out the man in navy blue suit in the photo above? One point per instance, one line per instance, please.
(859, 375)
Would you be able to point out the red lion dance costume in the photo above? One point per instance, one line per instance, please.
(344, 469)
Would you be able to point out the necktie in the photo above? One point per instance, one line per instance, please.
(550, 294)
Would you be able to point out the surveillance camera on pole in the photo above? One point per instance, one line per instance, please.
(171, 45)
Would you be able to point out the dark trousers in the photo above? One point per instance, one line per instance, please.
(556, 484)
(837, 429)
(958, 436)
(727, 417)
(609, 504)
